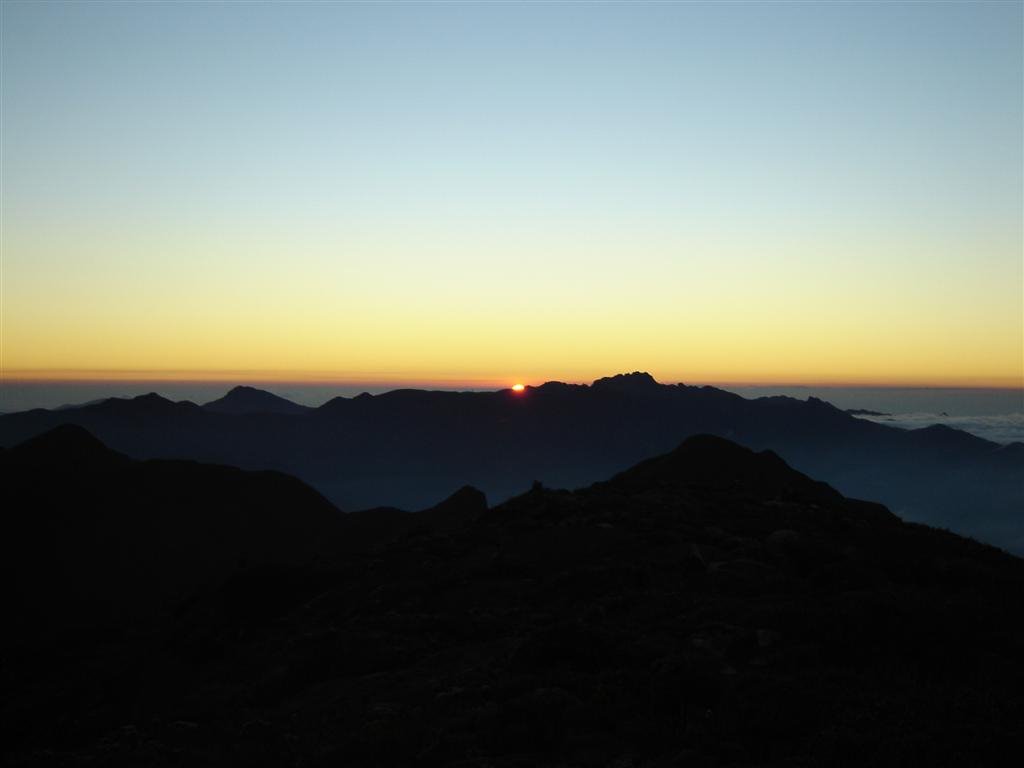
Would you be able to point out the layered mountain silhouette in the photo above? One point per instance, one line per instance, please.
(90, 534)
(708, 606)
(407, 448)
(251, 400)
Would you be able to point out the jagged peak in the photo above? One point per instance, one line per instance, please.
(637, 381)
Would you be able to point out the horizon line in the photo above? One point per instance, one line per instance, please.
(404, 381)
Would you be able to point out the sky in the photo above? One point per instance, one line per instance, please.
(478, 193)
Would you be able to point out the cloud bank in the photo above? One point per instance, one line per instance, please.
(1002, 428)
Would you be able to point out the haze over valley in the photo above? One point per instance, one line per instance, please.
(592, 384)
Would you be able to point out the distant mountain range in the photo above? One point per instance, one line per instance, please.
(708, 606)
(408, 448)
(252, 400)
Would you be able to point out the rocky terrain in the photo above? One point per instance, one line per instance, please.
(708, 607)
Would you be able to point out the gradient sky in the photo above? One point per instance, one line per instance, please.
(465, 192)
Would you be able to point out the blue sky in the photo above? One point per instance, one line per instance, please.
(274, 159)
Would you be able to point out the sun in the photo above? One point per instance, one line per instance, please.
(518, 387)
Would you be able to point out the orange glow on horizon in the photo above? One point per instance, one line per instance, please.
(385, 380)
(524, 240)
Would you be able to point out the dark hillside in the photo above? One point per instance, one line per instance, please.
(708, 607)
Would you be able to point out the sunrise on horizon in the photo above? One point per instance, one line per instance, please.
(512, 383)
(458, 193)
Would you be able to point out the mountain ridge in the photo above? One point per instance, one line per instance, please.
(407, 448)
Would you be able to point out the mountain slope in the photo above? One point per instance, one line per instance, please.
(408, 448)
(243, 400)
(93, 535)
(707, 607)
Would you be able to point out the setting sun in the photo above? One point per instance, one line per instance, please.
(518, 387)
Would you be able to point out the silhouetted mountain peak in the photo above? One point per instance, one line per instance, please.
(700, 456)
(466, 499)
(336, 403)
(408, 448)
(559, 386)
(67, 445)
(150, 398)
(711, 460)
(817, 402)
(464, 505)
(149, 404)
(244, 399)
(637, 382)
(72, 406)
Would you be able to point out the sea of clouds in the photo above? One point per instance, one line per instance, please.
(1001, 428)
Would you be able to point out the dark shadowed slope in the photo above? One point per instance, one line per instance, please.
(95, 538)
(708, 607)
(409, 447)
(91, 536)
(252, 400)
